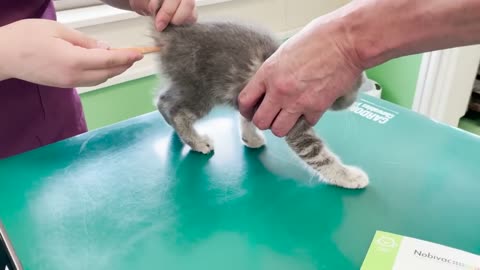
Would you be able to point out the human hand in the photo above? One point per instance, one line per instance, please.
(303, 77)
(48, 53)
(176, 12)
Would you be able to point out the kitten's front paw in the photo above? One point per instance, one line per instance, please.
(355, 178)
(256, 140)
(204, 145)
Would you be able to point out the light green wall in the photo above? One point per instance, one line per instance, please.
(470, 124)
(116, 103)
(398, 78)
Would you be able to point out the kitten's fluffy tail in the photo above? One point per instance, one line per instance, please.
(310, 148)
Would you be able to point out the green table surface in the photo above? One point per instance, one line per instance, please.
(131, 196)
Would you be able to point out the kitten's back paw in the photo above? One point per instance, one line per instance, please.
(256, 140)
(355, 178)
(204, 145)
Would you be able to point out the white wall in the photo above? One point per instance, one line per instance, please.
(278, 15)
(124, 29)
(445, 83)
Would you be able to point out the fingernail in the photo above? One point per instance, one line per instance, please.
(243, 98)
(103, 45)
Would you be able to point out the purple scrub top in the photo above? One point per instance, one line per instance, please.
(33, 115)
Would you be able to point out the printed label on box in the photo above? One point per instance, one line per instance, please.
(395, 252)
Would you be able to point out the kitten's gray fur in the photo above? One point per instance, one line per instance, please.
(208, 64)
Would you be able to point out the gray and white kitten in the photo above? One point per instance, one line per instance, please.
(208, 64)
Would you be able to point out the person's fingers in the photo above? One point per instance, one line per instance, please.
(140, 6)
(184, 12)
(80, 39)
(251, 95)
(154, 6)
(313, 117)
(95, 77)
(266, 113)
(103, 59)
(193, 17)
(166, 13)
(284, 123)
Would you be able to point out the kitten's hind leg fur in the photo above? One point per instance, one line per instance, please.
(251, 136)
(163, 108)
(310, 148)
(183, 121)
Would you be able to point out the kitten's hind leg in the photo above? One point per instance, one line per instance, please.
(183, 121)
(310, 148)
(251, 136)
(163, 106)
(178, 115)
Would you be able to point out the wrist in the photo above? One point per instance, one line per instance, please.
(361, 25)
(380, 30)
(330, 30)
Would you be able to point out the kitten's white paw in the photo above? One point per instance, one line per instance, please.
(355, 178)
(205, 145)
(255, 140)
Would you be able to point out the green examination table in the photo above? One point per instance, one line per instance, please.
(131, 196)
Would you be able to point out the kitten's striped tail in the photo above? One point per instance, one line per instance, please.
(310, 148)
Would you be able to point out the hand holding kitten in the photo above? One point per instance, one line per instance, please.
(47, 53)
(305, 76)
(176, 12)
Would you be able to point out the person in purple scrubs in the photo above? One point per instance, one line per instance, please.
(41, 61)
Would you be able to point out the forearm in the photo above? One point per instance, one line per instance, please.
(380, 30)
(4, 52)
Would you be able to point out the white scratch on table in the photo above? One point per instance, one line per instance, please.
(85, 143)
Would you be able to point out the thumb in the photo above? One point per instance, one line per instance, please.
(80, 39)
(251, 95)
